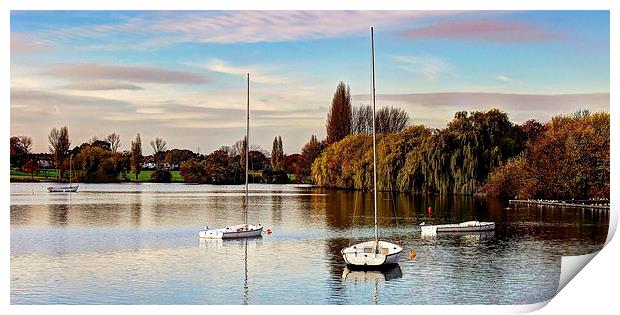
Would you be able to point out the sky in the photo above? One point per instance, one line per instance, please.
(180, 75)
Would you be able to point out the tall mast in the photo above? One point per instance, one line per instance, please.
(70, 169)
(247, 151)
(374, 141)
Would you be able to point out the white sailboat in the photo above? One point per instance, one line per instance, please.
(246, 229)
(375, 254)
(65, 188)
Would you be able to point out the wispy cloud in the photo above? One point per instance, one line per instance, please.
(258, 74)
(102, 86)
(144, 74)
(429, 66)
(483, 31)
(22, 43)
(156, 29)
(503, 78)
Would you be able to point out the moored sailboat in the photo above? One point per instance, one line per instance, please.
(241, 230)
(65, 188)
(375, 254)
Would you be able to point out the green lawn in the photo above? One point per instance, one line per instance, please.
(51, 174)
(145, 176)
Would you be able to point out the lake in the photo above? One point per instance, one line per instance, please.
(138, 244)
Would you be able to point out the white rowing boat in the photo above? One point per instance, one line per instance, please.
(469, 226)
(65, 188)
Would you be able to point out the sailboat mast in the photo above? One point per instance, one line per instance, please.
(70, 169)
(247, 151)
(374, 129)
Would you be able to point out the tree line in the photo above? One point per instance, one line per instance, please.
(477, 152)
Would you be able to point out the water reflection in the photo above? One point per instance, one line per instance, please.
(372, 277)
(59, 214)
(127, 244)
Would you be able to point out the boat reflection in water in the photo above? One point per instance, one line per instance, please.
(214, 244)
(372, 276)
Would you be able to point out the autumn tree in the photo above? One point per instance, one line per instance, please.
(20, 150)
(59, 145)
(159, 146)
(569, 159)
(339, 117)
(178, 156)
(311, 150)
(31, 167)
(114, 140)
(136, 156)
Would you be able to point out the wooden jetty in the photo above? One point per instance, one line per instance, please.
(561, 203)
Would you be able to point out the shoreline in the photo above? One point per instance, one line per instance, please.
(558, 203)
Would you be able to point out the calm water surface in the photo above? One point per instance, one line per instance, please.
(138, 244)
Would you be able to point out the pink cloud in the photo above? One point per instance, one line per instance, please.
(146, 74)
(483, 30)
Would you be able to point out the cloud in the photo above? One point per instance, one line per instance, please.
(503, 78)
(144, 74)
(258, 74)
(155, 29)
(21, 43)
(101, 86)
(42, 100)
(429, 66)
(483, 31)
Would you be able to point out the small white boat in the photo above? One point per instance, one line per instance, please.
(236, 231)
(469, 226)
(370, 255)
(245, 230)
(65, 188)
(374, 254)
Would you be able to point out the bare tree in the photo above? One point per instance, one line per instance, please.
(388, 120)
(391, 119)
(338, 123)
(93, 139)
(362, 119)
(59, 145)
(159, 146)
(115, 141)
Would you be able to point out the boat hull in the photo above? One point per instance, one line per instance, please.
(364, 256)
(470, 226)
(71, 188)
(237, 231)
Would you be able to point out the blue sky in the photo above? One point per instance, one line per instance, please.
(180, 74)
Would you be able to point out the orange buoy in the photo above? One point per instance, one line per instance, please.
(412, 254)
(269, 231)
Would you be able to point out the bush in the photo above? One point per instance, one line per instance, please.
(161, 176)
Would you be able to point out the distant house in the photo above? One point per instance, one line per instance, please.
(45, 164)
(149, 165)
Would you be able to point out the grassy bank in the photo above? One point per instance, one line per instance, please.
(51, 175)
(145, 176)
